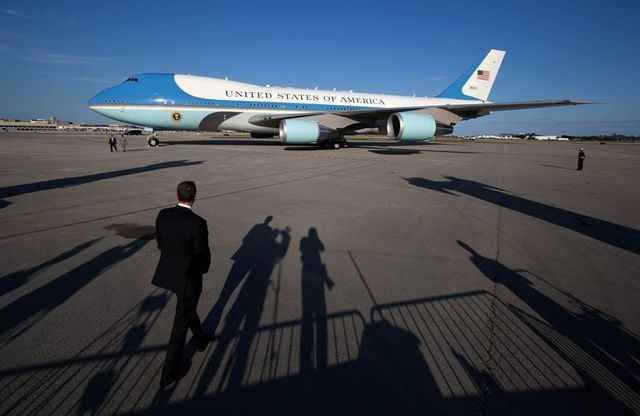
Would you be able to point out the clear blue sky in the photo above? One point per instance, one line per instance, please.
(56, 55)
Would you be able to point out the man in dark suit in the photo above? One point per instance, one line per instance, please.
(581, 157)
(183, 240)
(113, 143)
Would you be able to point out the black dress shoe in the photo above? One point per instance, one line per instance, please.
(174, 378)
(202, 343)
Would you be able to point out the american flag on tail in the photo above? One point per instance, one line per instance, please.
(483, 74)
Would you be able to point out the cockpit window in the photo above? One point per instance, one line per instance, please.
(132, 79)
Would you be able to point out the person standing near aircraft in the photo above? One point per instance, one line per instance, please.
(183, 240)
(581, 157)
(124, 141)
(113, 143)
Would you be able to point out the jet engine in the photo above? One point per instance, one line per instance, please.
(293, 131)
(411, 127)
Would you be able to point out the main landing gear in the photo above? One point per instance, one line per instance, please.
(152, 140)
(334, 143)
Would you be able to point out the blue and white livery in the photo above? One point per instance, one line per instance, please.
(302, 116)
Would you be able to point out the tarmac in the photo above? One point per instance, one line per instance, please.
(451, 277)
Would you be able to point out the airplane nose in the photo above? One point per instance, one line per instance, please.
(96, 99)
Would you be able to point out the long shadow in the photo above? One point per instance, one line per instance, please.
(425, 356)
(222, 142)
(245, 313)
(600, 337)
(557, 167)
(102, 385)
(396, 152)
(81, 180)
(244, 259)
(313, 330)
(15, 280)
(104, 368)
(421, 357)
(616, 235)
(389, 376)
(27, 310)
(378, 144)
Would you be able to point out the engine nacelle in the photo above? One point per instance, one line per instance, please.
(293, 131)
(411, 127)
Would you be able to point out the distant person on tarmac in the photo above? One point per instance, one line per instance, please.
(113, 143)
(581, 157)
(124, 142)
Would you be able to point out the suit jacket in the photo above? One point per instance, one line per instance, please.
(183, 240)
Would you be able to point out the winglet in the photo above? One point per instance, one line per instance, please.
(476, 82)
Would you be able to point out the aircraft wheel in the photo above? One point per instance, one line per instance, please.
(153, 142)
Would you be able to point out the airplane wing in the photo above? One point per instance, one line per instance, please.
(448, 114)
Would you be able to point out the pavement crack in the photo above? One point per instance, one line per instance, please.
(489, 360)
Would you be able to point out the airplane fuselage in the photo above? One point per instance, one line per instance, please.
(303, 116)
(182, 102)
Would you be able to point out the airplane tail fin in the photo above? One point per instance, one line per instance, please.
(476, 83)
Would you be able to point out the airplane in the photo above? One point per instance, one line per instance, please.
(302, 116)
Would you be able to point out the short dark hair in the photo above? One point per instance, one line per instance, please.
(187, 191)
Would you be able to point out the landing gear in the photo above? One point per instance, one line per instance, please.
(153, 141)
(334, 143)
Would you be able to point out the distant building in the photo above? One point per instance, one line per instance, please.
(555, 138)
(30, 125)
(493, 136)
(53, 125)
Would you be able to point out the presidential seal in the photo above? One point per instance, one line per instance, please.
(176, 116)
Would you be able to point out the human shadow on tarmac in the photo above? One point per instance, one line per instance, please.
(557, 167)
(15, 280)
(21, 314)
(603, 344)
(27, 188)
(617, 235)
(313, 329)
(246, 257)
(261, 251)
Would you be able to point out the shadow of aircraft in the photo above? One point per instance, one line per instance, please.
(616, 235)
(222, 142)
(396, 152)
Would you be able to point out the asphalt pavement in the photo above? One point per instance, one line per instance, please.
(454, 277)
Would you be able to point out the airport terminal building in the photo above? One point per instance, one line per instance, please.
(53, 125)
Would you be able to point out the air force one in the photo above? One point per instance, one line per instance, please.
(302, 116)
